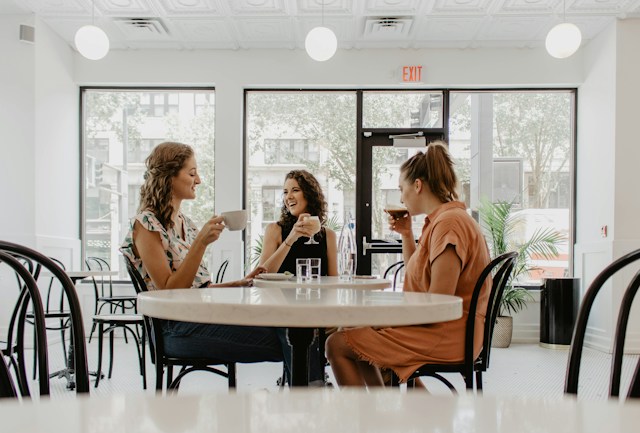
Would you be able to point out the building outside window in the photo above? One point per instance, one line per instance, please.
(120, 127)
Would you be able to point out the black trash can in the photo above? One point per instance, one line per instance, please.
(559, 302)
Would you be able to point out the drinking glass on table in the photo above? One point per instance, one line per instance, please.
(314, 222)
(302, 270)
(315, 265)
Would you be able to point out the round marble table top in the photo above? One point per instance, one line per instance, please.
(298, 307)
(318, 411)
(324, 283)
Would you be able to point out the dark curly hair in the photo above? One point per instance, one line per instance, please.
(312, 192)
(163, 164)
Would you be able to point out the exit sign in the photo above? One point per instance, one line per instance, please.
(411, 74)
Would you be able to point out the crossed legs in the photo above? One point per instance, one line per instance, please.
(348, 368)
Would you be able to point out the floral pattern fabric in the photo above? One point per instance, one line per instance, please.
(174, 246)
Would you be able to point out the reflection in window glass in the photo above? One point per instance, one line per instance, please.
(529, 160)
(402, 109)
(315, 131)
(120, 128)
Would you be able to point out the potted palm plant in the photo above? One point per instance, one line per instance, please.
(501, 226)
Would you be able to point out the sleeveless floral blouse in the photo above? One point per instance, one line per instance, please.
(174, 246)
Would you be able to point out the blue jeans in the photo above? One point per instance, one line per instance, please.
(230, 343)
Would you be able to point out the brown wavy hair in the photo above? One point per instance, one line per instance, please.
(163, 164)
(312, 192)
(435, 168)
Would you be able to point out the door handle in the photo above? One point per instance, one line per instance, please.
(366, 246)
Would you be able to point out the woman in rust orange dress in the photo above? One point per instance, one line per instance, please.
(448, 259)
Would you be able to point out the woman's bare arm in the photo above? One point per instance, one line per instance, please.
(445, 272)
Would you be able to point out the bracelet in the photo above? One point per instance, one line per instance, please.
(285, 242)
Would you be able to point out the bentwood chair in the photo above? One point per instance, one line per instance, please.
(577, 342)
(13, 350)
(394, 269)
(221, 271)
(500, 270)
(153, 328)
(57, 315)
(77, 365)
(7, 387)
(103, 292)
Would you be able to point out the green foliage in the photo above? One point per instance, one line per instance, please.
(501, 225)
(537, 128)
(256, 251)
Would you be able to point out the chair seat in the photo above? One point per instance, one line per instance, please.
(56, 315)
(117, 298)
(119, 318)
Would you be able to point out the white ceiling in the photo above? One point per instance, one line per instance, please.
(243, 24)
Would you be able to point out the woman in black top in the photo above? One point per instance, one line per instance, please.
(284, 241)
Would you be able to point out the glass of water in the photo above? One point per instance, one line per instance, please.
(315, 266)
(303, 269)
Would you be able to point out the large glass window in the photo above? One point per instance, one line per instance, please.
(120, 128)
(516, 147)
(308, 130)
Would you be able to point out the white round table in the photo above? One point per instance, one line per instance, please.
(324, 283)
(318, 411)
(300, 310)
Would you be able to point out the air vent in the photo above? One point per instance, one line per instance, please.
(142, 28)
(387, 28)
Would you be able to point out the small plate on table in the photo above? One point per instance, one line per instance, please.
(274, 276)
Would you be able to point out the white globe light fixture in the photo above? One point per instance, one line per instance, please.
(563, 40)
(92, 42)
(321, 44)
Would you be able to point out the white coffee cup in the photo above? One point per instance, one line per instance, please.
(235, 219)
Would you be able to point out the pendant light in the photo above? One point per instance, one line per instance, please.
(321, 43)
(564, 39)
(91, 41)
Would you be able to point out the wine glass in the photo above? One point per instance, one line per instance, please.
(315, 227)
(396, 211)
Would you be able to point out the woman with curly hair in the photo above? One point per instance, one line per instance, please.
(284, 241)
(166, 248)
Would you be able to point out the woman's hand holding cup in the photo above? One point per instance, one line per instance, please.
(210, 231)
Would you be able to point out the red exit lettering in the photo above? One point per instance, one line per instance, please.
(412, 73)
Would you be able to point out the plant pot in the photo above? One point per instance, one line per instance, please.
(502, 332)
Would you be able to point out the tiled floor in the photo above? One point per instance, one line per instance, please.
(520, 370)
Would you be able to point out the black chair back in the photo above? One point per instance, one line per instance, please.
(504, 265)
(7, 387)
(80, 350)
(156, 344)
(140, 286)
(395, 269)
(577, 342)
(29, 294)
(221, 271)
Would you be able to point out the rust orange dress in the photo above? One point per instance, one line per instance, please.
(405, 348)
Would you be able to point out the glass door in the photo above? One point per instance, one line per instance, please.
(395, 125)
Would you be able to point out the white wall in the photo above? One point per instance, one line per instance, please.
(607, 160)
(56, 126)
(17, 105)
